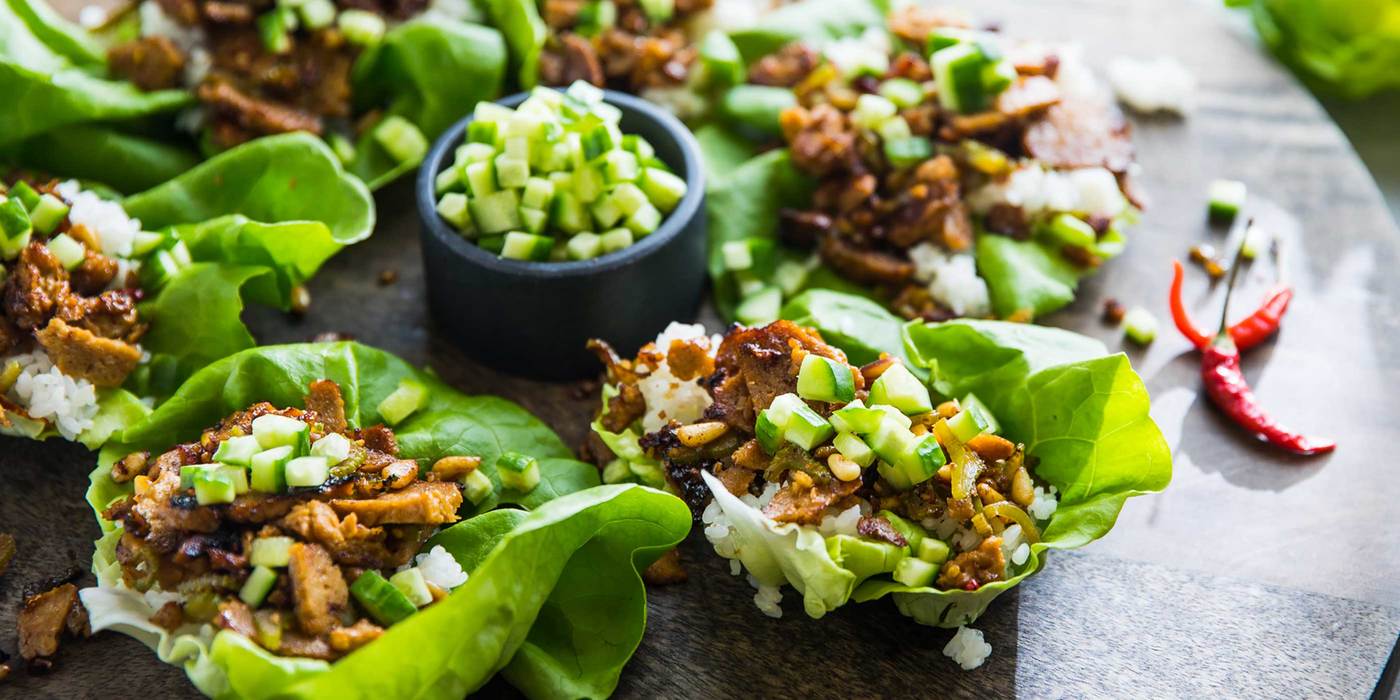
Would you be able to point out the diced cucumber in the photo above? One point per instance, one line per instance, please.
(492, 244)
(143, 242)
(453, 209)
(824, 379)
(898, 387)
(757, 106)
(538, 193)
(903, 92)
(629, 198)
(933, 551)
(272, 552)
(972, 404)
(25, 193)
(269, 469)
(598, 141)
(190, 472)
(856, 418)
(664, 189)
(333, 446)
(447, 180)
(317, 14)
(406, 399)
(997, 75)
(854, 449)
(527, 246)
(915, 572)
(791, 276)
(497, 212)
(47, 213)
(1227, 198)
(894, 476)
(341, 146)
(380, 599)
(890, 441)
(589, 184)
(862, 557)
(1139, 325)
(595, 16)
(921, 458)
(585, 92)
(584, 246)
(399, 137)
(256, 587)
(639, 146)
(769, 431)
(895, 414)
(760, 308)
(721, 59)
(68, 250)
(511, 172)
(274, 32)
(411, 584)
(307, 472)
(605, 212)
(909, 151)
(272, 430)
(895, 129)
(519, 472)
(806, 428)
(15, 228)
(957, 70)
(517, 145)
(483, 132)
(615, 240)
(238, 450)
(361, 27)
(658, 11)
(1068, 229)
(619, 167)
(477, 487)
(643, 221)
(871, 110)
(481, 178)
(213, 487)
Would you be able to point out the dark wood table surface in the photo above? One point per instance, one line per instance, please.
(1253, 575)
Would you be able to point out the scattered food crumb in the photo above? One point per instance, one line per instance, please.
(666, 571)
(301, 300)
(1113, 311)
(585, 388)
(331, 337)
(7, 551)
(1147, 85)
(388, 277)
(1204, 255)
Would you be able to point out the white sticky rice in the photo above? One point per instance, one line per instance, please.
(967, 648)
(48, 394)
(1150, 85)
(114, 229)
(952, 279)
(668, 398)
(440, 568)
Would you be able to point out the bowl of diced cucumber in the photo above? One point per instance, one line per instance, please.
(557, 215)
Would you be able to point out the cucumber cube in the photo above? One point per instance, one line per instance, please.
(957, 70)
(933, 551)
(214, 487)
(903, 92)
(907, 151)
(518, 147)
(398, 136)
(862, 557)
(527, 246)
(449, 179)
(269, 469)
(761, 307)
(584, 246)
(664, 189)
(476, 153)
(519, 472)
(915, 572)
(620, 167)
(638, 145)
(144, 242)
(1227, 198)
(806, 428)
(895, 129)
(481, 178)
(497, 212)
(791, 276)
(854, 449)
(1140, 326)
(273, 430)
(856, 418)
(894, 477)
(1068, 229)
(317, 14)
(47, 213)
(968, 424)
(658, 11)
(588, 184)
(985, 417)
(533, 220)
(922, 458)
(15, 228)
(824, 379)
(895, 414)
(190, 472)
(606, 212)
(411, 584)
(644, 220)
(721, 59)
(492, 244)
(307, 472)
(453, 209)
(585, 92)
(599, 140)
(769, 431)
(569, 214)
(629, 198)
(737, 255)
(26, 194)
(272, 552)
(511, 172)
(68, 250)
(258, 584)
(361, 27)
(238, 450)
(477, 487)
(333, 446)
(617, 472)
(491, 112)
(891, 441)
(899, 387)
(616, 240)
(406, 399)
(381, 599)
(871, 110)
(538, 193)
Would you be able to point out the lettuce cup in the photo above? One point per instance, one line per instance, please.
(156, 87)
(297, 515)
(854, 459)
(109, 303)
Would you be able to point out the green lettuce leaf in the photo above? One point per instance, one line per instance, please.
(814, 21)
(554, 597)
(525, 33)
(1082, 415)
(130, 162)
(861, 327)
(1349, 48)
(1025, 275)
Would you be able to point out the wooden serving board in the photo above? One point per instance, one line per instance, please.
(1253, 575)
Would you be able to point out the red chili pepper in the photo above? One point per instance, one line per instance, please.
(1228, 389)
(1253, 330)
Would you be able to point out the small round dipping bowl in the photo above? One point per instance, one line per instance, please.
(533, 318)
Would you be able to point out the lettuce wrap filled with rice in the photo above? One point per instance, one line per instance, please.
(296, 517)
(853, 457)
(106, 303)
(160, 84)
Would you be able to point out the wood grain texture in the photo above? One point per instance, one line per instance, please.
(1252, 575)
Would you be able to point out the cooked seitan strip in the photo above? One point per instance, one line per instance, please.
(1080, 134)
(151, 62)
(94, 274)
(879, 528)
(423, 503)
(573, 59)
(45, 617)
(347, 541)
(666, 571)
(380, 438)
(864, 265)
(325, 400)
(317, 587)
(235, 616)
(254, 114)
(36, 286)
(624, 409)
(80, 353)
(109, 315)
(804, 499)
(765, 360)
(347, 639)
(154, 515)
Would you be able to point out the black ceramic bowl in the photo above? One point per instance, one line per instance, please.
(533, 318)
